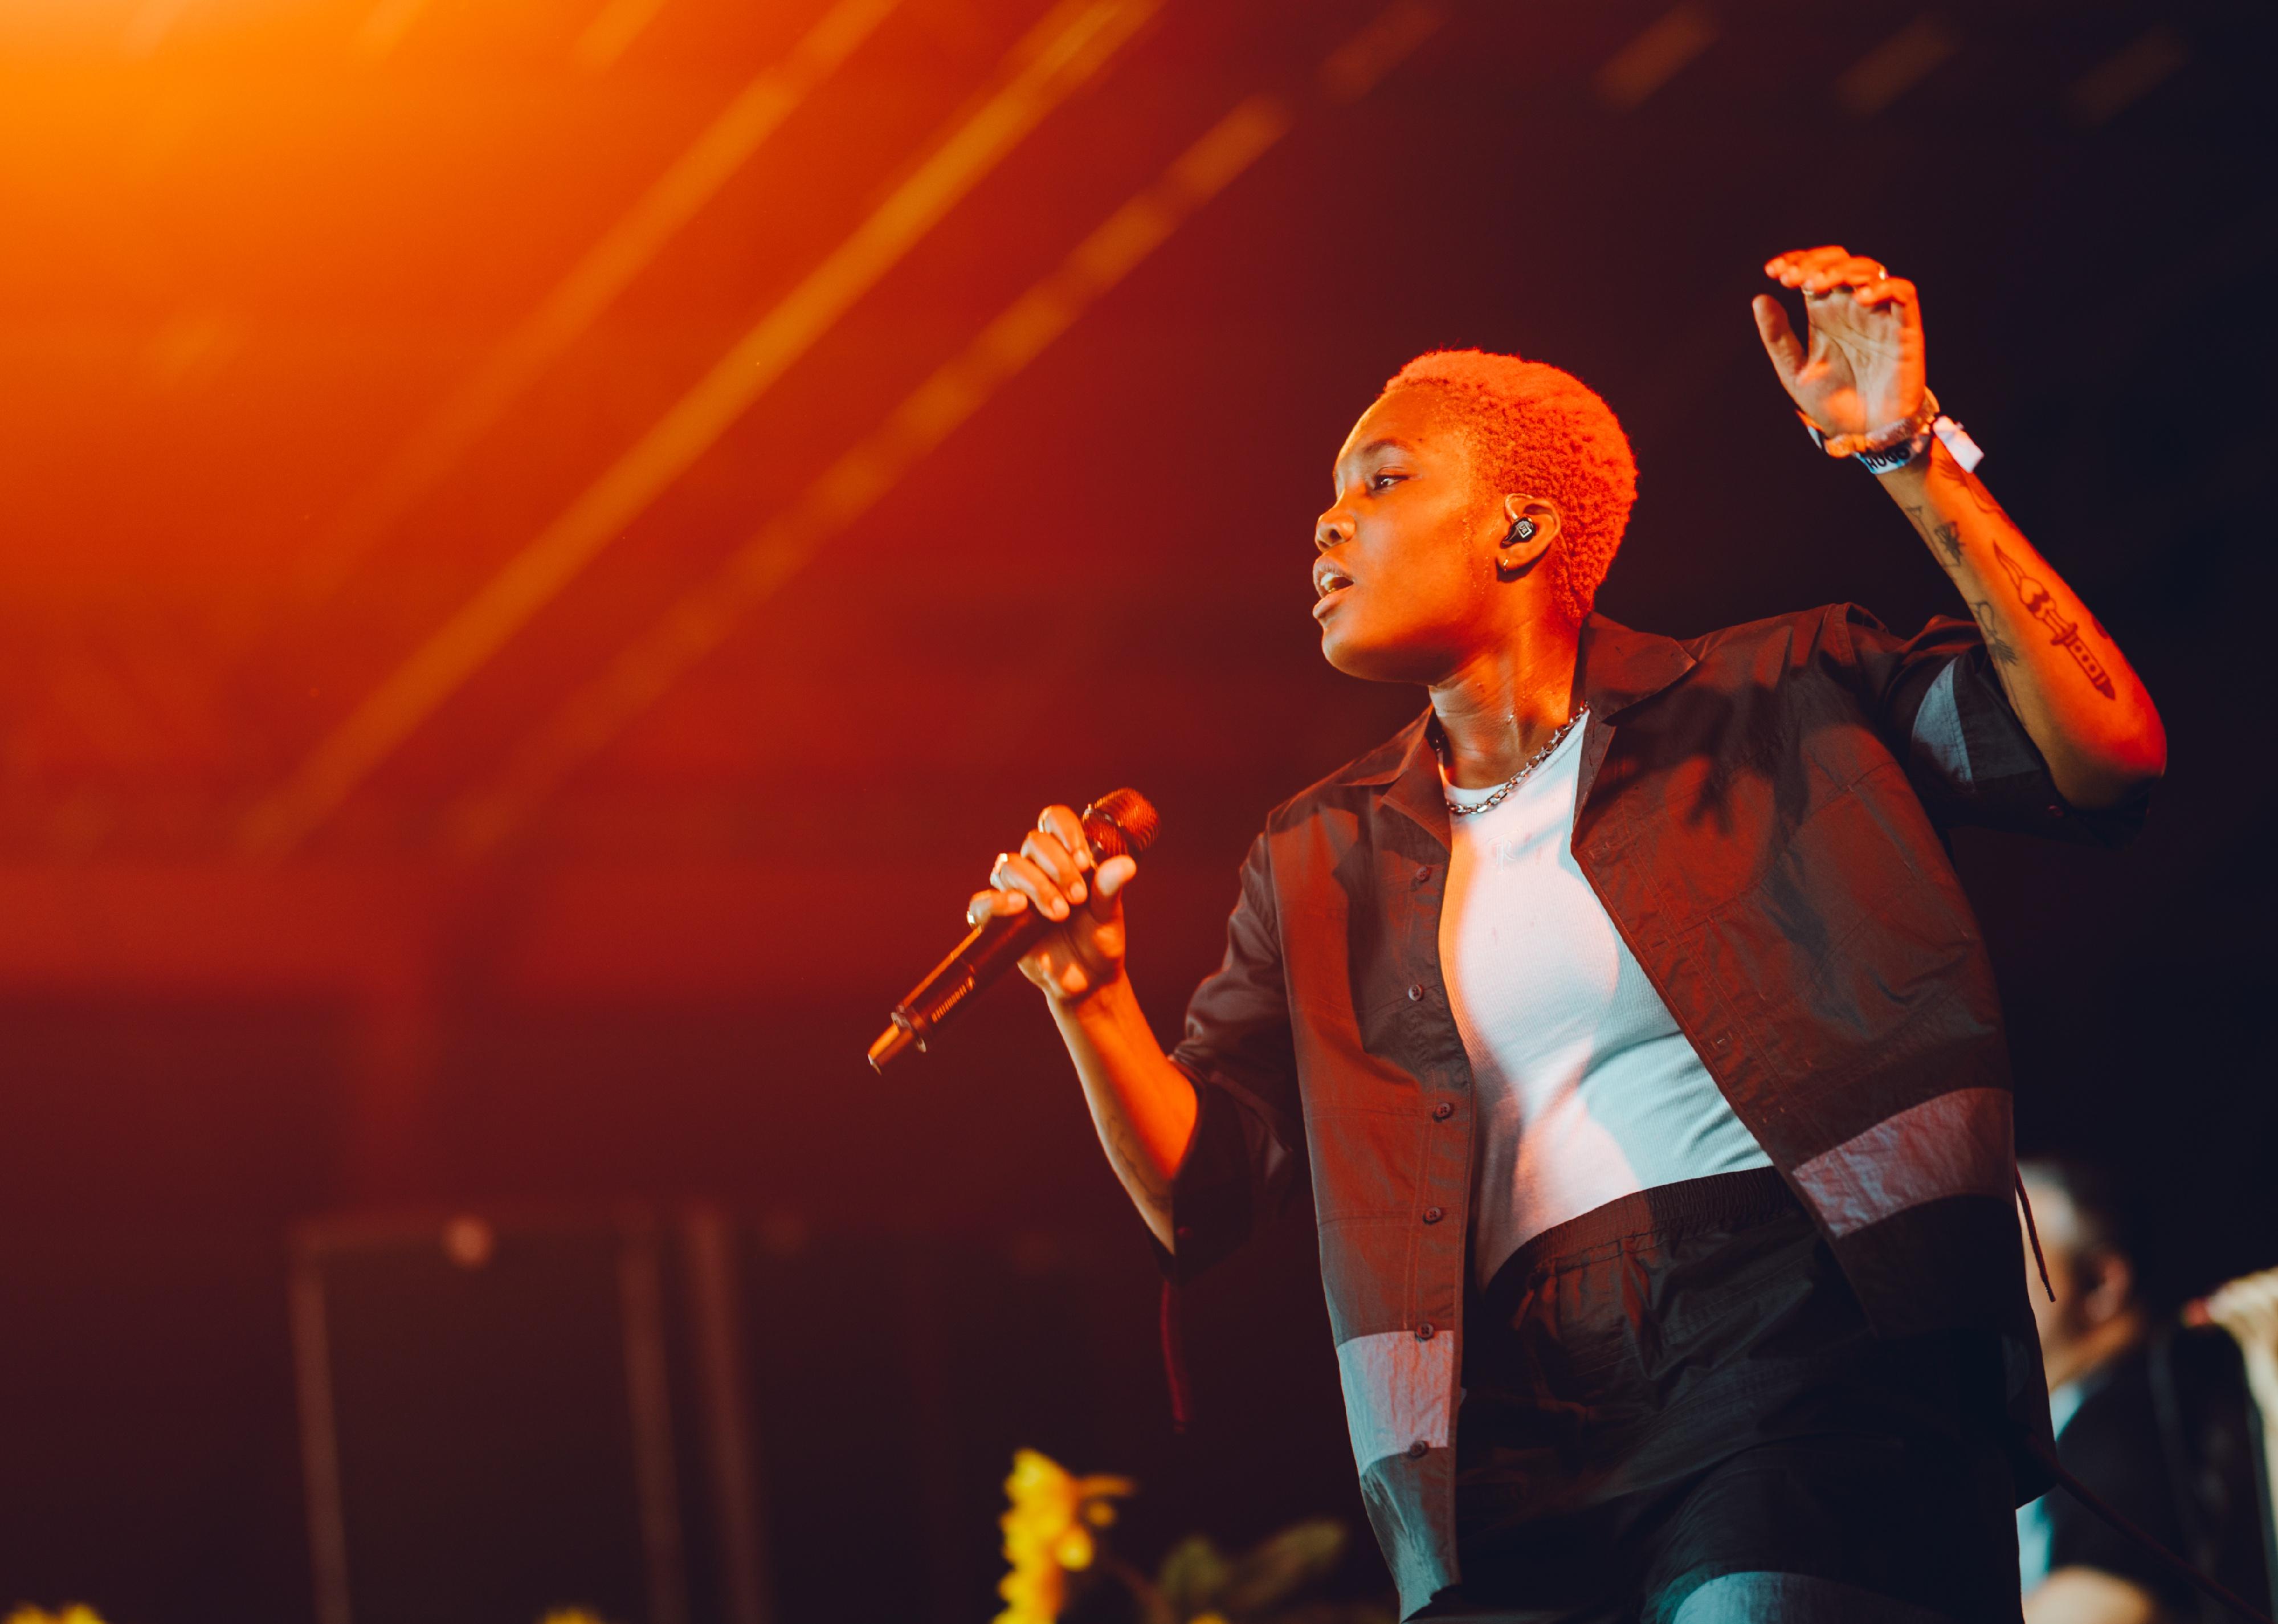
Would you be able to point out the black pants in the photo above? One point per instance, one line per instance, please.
(1674, 1413)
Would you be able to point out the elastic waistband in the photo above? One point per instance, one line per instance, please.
(1721, 1201)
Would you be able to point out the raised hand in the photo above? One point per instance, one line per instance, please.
(2248, 1309)
(1049, 873)
(1862, 368)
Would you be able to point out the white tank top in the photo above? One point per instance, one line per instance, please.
(1586, 1089)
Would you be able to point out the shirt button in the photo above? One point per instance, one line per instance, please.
(1419, 1450)
(1423, 874)
(1423, 1331)
(1433, 1214)
(1441, 1112)
(1414, 992)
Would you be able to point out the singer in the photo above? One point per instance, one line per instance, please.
(1629, 1020)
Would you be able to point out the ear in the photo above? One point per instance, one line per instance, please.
(1514, 553)
(2111, 1282)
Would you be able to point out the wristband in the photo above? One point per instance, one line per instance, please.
(1893, 454)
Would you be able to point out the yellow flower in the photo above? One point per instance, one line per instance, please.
(78, 1612)
(1047, 1533)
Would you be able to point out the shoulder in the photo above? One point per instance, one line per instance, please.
(1835, 647)
(1798, 637)
(1346, 793)
(2115, 1429)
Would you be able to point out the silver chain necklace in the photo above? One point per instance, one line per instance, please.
(1533, 762)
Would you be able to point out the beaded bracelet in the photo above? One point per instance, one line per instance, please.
(1895, 446)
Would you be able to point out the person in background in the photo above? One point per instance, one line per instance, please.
(2154, 1423)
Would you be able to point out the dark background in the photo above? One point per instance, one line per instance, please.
(251, 246)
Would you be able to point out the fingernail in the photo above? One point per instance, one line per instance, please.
(1075, 892)
(1057, 908)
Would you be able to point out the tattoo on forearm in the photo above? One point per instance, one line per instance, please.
(1995, 644)
(1954, 473)
(2062, 633)
(1944, 537)
(1139, 1175)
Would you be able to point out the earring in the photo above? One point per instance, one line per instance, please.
(1522, 530)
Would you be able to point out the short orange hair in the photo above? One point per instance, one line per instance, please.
(1542, 432)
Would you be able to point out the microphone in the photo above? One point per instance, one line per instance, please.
(1121, 823)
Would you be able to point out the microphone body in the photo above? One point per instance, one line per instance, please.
(1119, 824)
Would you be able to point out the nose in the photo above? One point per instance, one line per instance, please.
(1332, 528)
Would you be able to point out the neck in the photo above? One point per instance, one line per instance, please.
(1498, 708)
(2098, 1345)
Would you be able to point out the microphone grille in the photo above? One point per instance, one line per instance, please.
(1121, 823)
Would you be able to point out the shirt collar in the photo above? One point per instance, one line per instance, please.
(1622, 667)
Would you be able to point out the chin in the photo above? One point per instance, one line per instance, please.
(1338, 647)
(1370, 660)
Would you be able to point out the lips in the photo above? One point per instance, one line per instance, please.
(1330, 583)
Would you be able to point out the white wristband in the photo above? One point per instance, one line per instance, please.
(1963, 450)
(1958, 444)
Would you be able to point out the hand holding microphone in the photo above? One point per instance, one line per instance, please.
(1055, 875)
(1055, 906)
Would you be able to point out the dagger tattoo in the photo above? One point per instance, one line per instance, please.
(2062, 633)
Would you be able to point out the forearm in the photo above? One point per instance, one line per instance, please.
(1142, 1105)
(2073, 689)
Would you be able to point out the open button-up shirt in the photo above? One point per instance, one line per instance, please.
(1760, 811)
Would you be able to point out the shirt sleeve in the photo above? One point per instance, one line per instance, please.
(1243, 1159)
(1938, 706)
